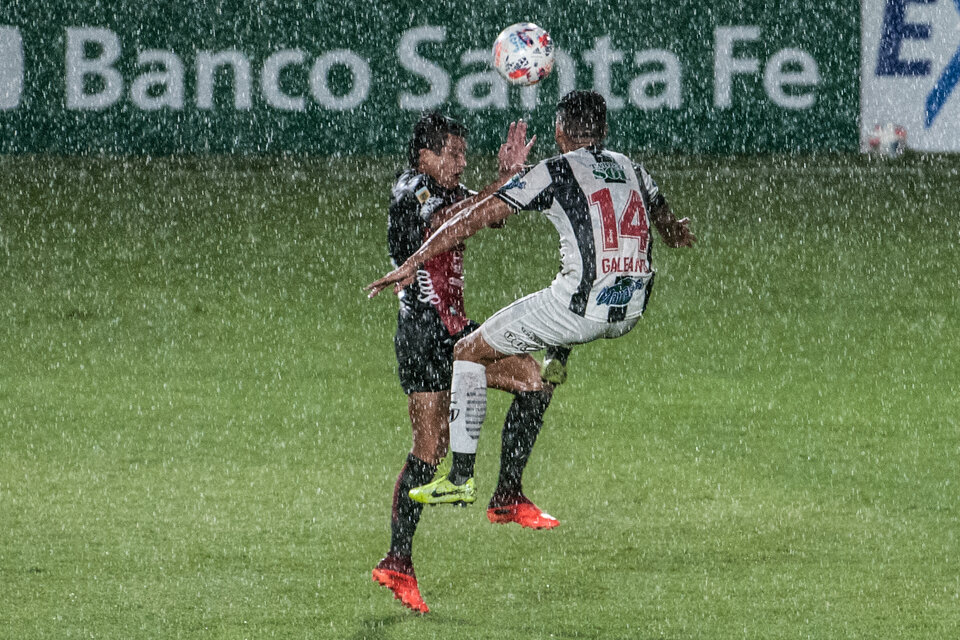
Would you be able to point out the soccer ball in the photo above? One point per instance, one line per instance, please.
(888, 140)
(523, 54)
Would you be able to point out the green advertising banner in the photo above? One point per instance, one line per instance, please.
(341, 77)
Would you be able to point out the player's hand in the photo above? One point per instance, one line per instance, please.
(514, 152)
(685, 237)
(399, 277)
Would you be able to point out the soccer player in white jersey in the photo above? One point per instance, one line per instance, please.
(602, 205)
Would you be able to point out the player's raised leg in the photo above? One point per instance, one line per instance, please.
(521, 427)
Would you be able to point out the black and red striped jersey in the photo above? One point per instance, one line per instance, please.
(415, 199)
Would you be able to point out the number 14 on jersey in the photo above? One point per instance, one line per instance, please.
(632, 222)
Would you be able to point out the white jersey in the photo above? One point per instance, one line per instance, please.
(598, 200)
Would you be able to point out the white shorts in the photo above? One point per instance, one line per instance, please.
(539, 320)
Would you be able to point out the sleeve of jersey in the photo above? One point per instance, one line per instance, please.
(529, 190)
(648, 182)
(650, 186)
(404, 228)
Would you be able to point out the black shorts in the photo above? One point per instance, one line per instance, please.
(425, 351)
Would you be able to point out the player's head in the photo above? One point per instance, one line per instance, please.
(581, 119)
(438, 148)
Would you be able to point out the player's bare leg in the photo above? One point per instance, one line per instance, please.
(514, 374)
(474, 348)
(428, 417)
(520, 375)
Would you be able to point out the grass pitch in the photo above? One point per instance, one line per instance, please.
(200, 425)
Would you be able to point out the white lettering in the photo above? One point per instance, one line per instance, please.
(790, 77)
(493, 88)
(207, 64)
(528, 96)
(725, 65)
(412, 61)
(270, 80)
(602, 57)
(79, 67)
(775, 77)
(361, 80)
(659, 87)
(11, 68)
(170, 79)
(566, 70)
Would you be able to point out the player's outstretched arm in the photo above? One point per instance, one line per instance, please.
(676, 233)
(398, 278)
(454, 231)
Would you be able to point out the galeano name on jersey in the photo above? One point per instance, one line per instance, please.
(627, 264)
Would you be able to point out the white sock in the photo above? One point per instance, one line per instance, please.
(468, 405)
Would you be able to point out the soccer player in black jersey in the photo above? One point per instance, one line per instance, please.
(430, 322)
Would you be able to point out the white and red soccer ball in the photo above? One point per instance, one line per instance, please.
(523, 54)
(887, 140)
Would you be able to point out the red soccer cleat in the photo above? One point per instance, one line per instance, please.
(397, 575)
(521, 511)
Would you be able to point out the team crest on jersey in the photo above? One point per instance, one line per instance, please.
(423, 194)
(516, 182)
(620, 292)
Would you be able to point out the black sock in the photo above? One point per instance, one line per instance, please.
(520, 430)
(406, 512)
(461, 468)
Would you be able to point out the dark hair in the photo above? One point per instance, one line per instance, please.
(430, 132)
(583, 115)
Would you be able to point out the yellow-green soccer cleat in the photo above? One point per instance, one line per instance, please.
(442, 491)
(553, 371)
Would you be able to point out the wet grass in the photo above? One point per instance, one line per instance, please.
(200, 426)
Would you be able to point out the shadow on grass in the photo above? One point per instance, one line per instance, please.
(380, 626)
(377, 626)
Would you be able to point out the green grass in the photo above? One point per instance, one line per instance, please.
(200, 425)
